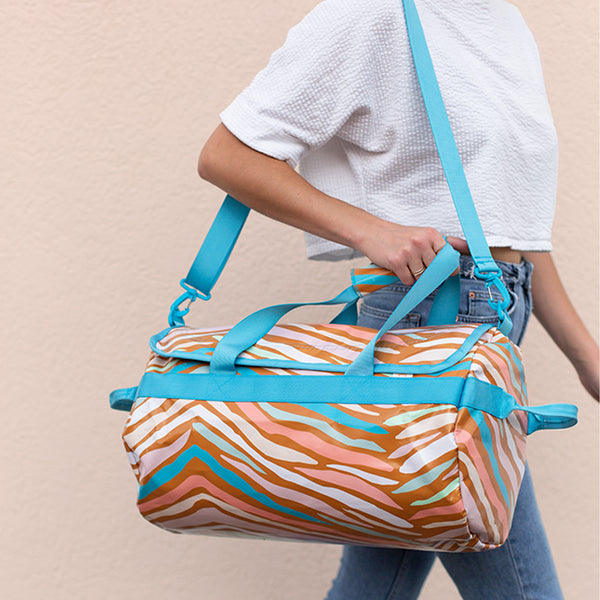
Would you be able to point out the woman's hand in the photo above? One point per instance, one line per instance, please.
(406, 251)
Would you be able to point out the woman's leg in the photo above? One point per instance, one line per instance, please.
(380, 574)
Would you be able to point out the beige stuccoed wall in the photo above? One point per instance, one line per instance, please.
(104, 107)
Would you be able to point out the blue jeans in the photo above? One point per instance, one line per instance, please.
(520, 569)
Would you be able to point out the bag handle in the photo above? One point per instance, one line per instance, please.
(251, 329)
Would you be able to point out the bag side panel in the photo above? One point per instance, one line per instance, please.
(491, 450)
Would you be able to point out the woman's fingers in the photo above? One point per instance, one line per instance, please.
(431, 243)
(417, 267)
(407, 251)
(458, 244)
(417, 270)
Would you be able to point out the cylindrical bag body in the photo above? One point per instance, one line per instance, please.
(437, 475)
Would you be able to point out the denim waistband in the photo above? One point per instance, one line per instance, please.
(517, 273)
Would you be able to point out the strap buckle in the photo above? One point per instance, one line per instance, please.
(177, 313)
(500, 306)
(493, 278)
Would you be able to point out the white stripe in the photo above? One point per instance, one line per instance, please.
(481, 496)
(429, 454)
(376, 479)
(254, 436)
(438, 420)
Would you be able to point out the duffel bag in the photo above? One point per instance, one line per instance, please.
(334, 432)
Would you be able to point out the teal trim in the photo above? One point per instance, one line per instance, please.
(157, 337)
(442, 266)
(123, 399)
(453, 391)
(487, 397)
(319, 389)
(481, 395)
(551, 416)
(311, 390)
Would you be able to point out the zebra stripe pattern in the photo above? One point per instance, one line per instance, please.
(426, 476)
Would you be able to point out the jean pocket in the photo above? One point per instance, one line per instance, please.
(376, 317)
(475, 303)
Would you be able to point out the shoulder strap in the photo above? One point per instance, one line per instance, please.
(485, 266)
(224, 232)
(445, 142)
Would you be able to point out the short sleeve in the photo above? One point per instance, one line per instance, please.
(312, 85)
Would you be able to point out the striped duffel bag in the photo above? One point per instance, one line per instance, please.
(339, 433)
(335, 433)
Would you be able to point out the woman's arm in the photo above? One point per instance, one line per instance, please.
(273, 188)
(554, 311)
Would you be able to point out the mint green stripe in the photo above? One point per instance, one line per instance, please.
(423, 480)
(412, 415)
(445, 492)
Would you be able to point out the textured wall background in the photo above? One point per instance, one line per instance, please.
(104, 107)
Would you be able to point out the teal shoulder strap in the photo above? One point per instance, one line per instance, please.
(230, 219)
(485, 266)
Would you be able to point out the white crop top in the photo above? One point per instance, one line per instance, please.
(340, 98)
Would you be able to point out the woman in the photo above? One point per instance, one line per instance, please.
(341, 100)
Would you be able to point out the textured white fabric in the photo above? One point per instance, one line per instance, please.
(341, 98)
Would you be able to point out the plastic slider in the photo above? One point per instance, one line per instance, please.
(177, 313)
(488, 274)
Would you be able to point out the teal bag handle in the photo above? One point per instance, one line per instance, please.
(251, 329)
(442, 266)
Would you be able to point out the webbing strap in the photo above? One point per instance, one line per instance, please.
(445, 142)
(217, 246)
(472, 394)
